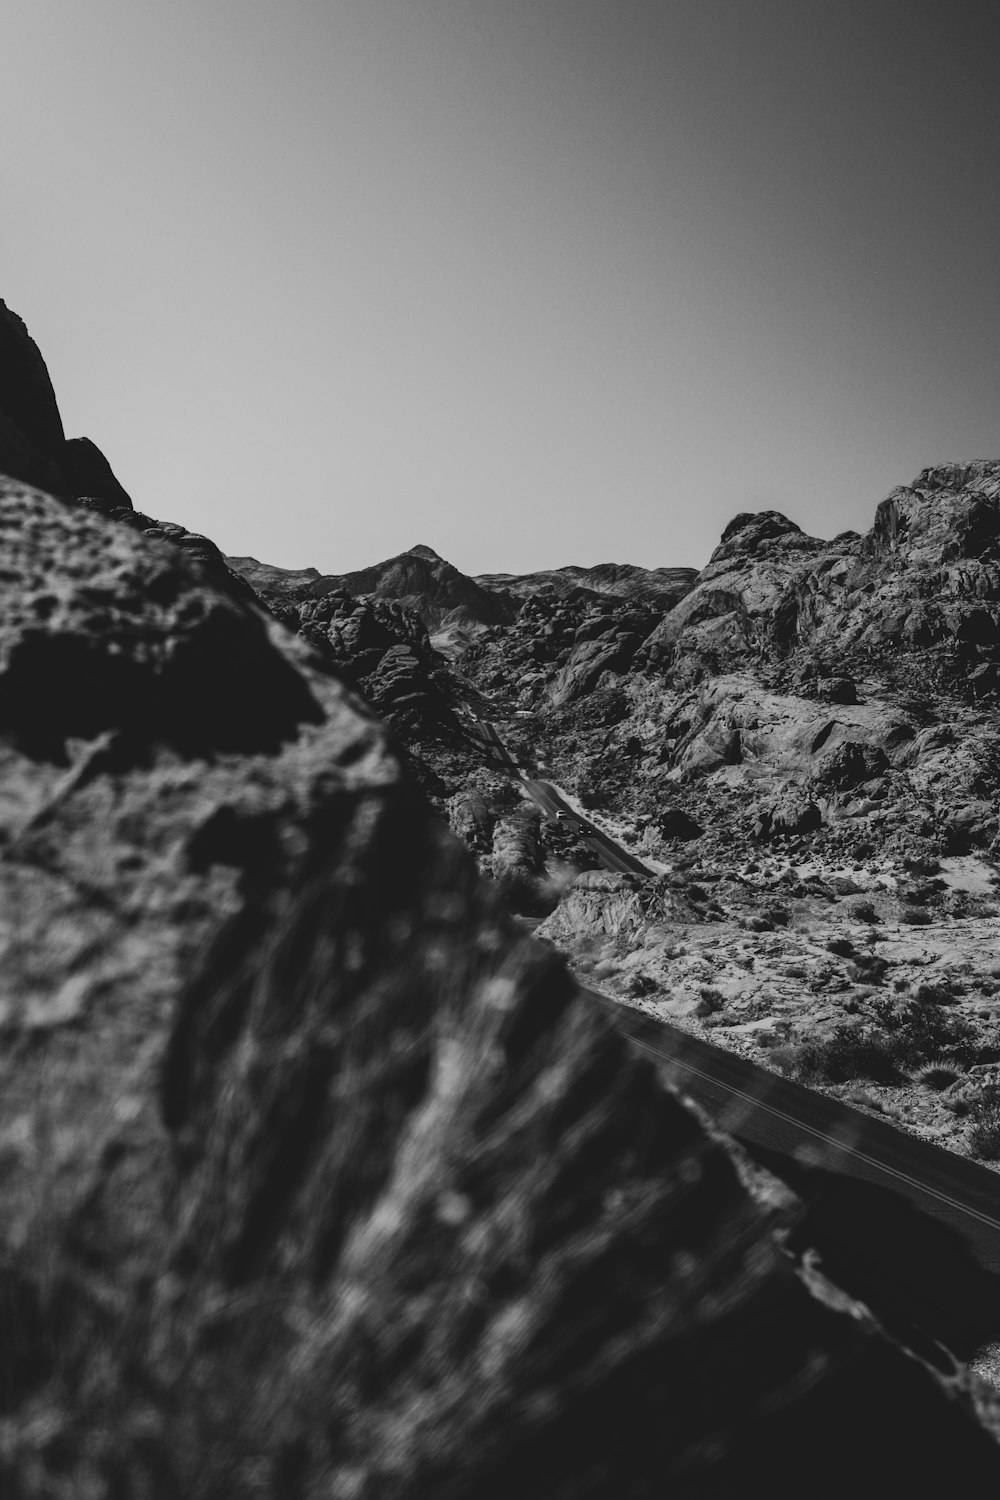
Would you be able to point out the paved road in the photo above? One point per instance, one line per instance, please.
(818, 1132)
(554, 805)
(893, 1215)
(611, 854)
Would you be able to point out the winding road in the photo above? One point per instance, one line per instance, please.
(884, 1189)
(767, 1110)
(554, 805)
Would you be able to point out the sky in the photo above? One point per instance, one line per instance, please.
(531, 282)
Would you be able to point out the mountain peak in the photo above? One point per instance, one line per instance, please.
(422, 551)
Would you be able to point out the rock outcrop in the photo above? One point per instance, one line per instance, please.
(418, 580)
(925, 578)
(318, 1179)
(661, 588)
(33, 445)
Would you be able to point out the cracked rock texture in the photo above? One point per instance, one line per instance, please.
(317, 1177)
(320, 1179)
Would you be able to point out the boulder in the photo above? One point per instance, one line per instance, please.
(518, 863)
(471, 819)
(675, 823)
(787, 814)
(972, 825)
(849, 764)
(837, 689)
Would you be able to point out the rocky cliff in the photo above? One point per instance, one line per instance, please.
(319, 1177)
(33, 445)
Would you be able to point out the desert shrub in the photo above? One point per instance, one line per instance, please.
(842, 947)
(850, 1052)
(938, 1076)
(926, 1034)
(861, 1097)
(936, 992)
(778, 916)
(983, 1138)
(868, 968)
(919, 864)
(915, 916)
(711, 1001)
(885, 1015)
(787, 1060)
(921, 1034)
(928, 890)
(796, 971)
(863, 911)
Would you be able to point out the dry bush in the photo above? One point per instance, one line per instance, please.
(983, 1138)
(938, 1076)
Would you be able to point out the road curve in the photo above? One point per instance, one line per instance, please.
(772, 1112)
(554, 805)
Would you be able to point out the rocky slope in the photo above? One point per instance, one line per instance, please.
(661, 587)
(33, 445)
(318, 1177)
(801, 740)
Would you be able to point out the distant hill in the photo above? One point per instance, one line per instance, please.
(417, 579)
(663, 587)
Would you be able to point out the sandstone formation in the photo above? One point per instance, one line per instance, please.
(319, 1177)
(660, 587)
(788, 737)
(33, 445)
(418, 580)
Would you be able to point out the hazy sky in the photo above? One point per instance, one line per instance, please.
(530, 281)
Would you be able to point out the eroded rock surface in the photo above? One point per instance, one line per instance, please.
(318, 1179)
(33, 445)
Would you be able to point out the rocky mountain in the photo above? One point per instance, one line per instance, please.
(33, 445)
(417, 580)
(661, 587)
(320, 1176)
(800, 741)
